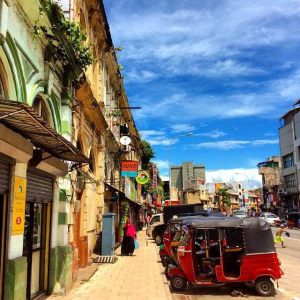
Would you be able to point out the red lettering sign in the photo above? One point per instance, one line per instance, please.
(18, 220)
(129, 165)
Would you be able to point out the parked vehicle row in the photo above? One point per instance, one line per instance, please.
(217, 250)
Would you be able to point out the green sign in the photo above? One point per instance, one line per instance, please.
(143, 177)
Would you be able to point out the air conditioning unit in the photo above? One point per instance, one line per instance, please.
(281, 191)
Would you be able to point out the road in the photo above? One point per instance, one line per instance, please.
(289, 284)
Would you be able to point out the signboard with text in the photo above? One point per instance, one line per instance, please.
(19, 202)
(129, 168)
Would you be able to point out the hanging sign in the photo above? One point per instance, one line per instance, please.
(19, 201)
(129, 168)
(143, 177)
(154, 177)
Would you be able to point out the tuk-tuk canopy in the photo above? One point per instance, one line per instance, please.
(190, 217)
(258, 236)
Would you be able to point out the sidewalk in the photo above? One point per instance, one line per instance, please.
(131, 277)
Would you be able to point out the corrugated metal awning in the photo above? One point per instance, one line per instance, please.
(21, 118)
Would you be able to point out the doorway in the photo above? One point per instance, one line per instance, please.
(35, 247)
(3, 220)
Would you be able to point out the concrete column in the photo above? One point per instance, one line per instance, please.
(15, 248)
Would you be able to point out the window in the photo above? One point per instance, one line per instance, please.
(290, 180)
(41, 109)
(2, 95)
(288, 160)
(154, 220)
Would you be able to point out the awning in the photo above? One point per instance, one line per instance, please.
(22, 119)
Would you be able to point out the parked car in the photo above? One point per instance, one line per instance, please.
(239, 214)
(270, 218)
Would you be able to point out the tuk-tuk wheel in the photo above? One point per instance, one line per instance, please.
(166, 273)
(178, 283)
(264, 287)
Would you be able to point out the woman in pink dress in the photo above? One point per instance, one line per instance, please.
(127, 247)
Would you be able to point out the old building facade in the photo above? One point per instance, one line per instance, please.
(289, 140)
(61, 118)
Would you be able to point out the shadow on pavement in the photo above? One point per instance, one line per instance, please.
(225, 290)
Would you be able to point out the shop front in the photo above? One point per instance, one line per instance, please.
(39, 198)
(5, 170)
(33, 218)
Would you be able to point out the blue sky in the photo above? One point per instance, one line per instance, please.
(224, 70)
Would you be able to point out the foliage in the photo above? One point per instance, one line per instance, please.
(224, 196)
(114, 113)
(148, 153)
(75, 38)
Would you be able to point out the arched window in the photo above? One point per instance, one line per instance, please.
(3, 86)
(92, 164)
(2, 94)
(42, 110)
(82, 20)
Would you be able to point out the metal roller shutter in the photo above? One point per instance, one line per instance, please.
(39, 188)
(4, 176)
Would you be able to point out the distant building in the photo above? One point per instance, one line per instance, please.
(289, 140)
(187, 176)
(270, 171)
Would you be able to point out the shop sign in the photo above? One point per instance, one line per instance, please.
(142, 177)
(129, 168)
(19, 202)
(154, 177)
(130, 191)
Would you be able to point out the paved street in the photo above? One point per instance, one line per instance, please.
(141, 277)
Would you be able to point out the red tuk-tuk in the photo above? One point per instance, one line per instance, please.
(293, 219)
(173, 226)
(215, 252)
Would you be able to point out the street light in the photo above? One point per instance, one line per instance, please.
(170, 143)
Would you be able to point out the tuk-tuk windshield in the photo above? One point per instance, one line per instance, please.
(186, 238)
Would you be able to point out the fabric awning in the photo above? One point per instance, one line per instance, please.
(21, 118)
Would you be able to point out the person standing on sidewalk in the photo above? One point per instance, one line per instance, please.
(127, 247)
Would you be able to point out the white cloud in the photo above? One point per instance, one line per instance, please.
(140, 76)
(269, 102)
(150, 133)
(233, 144)
(161, 164)
(205, 38)
(212, 134)
(182, 128)
(160, 142)
(249, 176)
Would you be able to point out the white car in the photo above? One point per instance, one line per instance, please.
(240, 214)
(269, 217)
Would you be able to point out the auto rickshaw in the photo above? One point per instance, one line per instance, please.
(293, 219)
(173, 226)
(215, 252)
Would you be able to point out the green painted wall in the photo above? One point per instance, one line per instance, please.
(60, 270)
(16, 279)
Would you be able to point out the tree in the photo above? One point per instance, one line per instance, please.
(148, 153)
(224, 196)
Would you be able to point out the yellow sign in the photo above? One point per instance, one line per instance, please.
(218, 186)
(19, 202)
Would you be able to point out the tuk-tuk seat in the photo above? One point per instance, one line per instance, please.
(211, 259)
(229, 250)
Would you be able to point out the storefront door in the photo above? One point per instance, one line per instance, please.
(37, 226)
(4, 188)
(2, 241)
(34, 247)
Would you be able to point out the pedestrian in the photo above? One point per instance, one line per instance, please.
(278, 236)
(147, 222)
(127, 247)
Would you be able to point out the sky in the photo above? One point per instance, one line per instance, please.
(224, 70)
